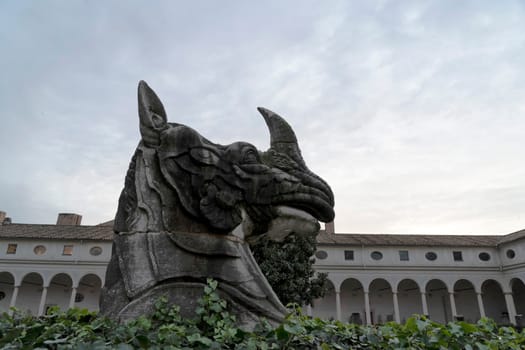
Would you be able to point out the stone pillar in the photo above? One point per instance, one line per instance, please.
(309, 310)
(42, 302)
(368, 317)
(424, 303)
(12, 303)
(72, 297)
(338, 305)
(480, 305)
(511, 308)
(453, 305)
(397, 317)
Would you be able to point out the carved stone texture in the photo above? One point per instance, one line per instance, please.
(189, 207)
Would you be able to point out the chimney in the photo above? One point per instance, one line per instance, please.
(2, 217)
(329, 228)
(69, 219)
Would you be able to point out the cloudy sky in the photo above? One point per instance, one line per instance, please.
(413, 111)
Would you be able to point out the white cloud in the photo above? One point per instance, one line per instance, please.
(412, 111)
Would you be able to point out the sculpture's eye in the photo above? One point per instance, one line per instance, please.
(250, 156)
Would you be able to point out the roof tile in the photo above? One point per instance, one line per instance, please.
(37, 231)
(408, 240)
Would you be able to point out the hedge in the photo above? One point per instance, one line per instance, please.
(214, 328)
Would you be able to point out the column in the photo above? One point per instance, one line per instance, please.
(480, 305)
(309, 310)
(424, 303)
(42, 302)
(511, 308)
(368, 317)
(73, 296)
(338, 305)
(453, 305)
(397, 317)
(14, 296)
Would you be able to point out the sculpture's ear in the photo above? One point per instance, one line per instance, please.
(151, 114)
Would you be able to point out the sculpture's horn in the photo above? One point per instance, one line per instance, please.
(280, 130)
(151, 114)
(282, 137)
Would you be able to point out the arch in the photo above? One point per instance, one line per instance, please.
(381, 301)
(325, 307)
(7, 283)
(420, 285)
(438, 301)
(494, 301)
(514, 280)
(352, 301)
(32, 276)
(409, 299)
(88, 292)
(61, 277)
(30, 292)
(7, 275)
(59, 291)
(518, 293)
(466, 300)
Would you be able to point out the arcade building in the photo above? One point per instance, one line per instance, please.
(375, 278)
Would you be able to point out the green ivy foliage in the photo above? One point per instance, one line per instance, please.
(288, 267)
(214, 328)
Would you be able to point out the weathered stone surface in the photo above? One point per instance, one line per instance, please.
(188, 208)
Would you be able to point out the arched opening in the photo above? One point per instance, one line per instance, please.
(352, 301)
(466, 301)
(409, 299)
(7, 283)
(88, 292)
(59, 292)
(30, 293)
(381, 301)
(325, 307)
(438, 301)
(518, 293)
(494, 302)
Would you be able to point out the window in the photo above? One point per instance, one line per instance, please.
(79, 297)
(376, 255)
(403, 255)
(431, 256)
(68, 249)
(458, 255)
(349, 255)
(510, 253)
(95, 251)
(321, 254)
(2, 295)
(11, 248)
(39, 250)
(484, 256)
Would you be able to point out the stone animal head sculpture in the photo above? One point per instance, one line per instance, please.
(195, 185)
(188, 207)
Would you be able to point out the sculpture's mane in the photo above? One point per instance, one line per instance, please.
(148, 203)
(128, 197)
(140, 206)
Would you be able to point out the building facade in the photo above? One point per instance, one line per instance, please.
(48, 265)
(377, 278)
(374, 278)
